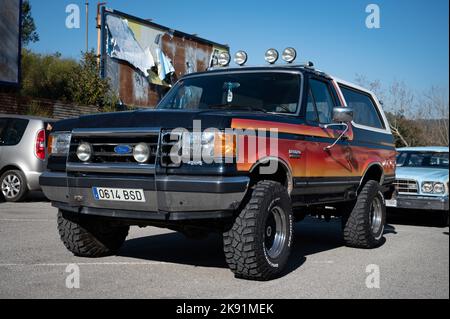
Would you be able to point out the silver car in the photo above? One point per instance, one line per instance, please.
(22, 154)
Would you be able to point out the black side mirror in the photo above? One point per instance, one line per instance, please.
(342, 114)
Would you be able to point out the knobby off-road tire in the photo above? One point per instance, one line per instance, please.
(258, 245)
(363, 226)
(89, 238)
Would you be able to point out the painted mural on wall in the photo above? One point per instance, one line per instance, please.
(143, 59)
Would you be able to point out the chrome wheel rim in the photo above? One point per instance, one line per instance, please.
(11, 186)
(275, 232)
(376, 215)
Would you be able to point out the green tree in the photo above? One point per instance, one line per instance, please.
(407, 132)
(89, 88)
(29, 33)
(48, 76)
(57, 78)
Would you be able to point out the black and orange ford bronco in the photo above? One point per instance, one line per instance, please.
(243, 151)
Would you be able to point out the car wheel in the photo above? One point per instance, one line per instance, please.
(13, 186)
(258, 244)
(363, 227)
(88, 237)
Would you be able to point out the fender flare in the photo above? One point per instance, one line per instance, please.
(368, 168)
(286, 167)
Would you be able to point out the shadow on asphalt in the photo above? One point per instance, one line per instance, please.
(176, 248)
(35, 196)
(415, 218)
(311, 237)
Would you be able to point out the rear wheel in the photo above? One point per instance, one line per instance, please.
(259, 243)
(363, 227)
(13, 185)
(90, 237)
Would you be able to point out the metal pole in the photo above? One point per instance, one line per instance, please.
(87, 25)
(99, 26)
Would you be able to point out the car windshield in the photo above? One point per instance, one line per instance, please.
(423, 159)
(259, 91)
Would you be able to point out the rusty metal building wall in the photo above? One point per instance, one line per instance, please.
(188, 53)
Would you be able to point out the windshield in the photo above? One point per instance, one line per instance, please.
(423, 159)
(259, 91)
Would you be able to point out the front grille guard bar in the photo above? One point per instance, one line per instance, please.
(124, 168)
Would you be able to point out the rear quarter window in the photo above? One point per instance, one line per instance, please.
(365, 111)
(11, 131)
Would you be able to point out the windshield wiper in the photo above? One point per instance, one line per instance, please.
(236, 107)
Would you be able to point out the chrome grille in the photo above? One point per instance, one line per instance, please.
(170, 149)
(408, 186)
(104, 142)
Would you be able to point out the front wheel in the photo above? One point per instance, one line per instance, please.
(90, 237)
(363, 227)
(259, 243)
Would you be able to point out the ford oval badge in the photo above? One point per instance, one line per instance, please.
(123, 149)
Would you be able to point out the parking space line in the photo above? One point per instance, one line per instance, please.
(26, 220)
(85, 264)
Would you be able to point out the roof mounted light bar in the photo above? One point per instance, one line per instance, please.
(271, 56)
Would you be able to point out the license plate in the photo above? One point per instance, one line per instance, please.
(391, 203)
(118, 194)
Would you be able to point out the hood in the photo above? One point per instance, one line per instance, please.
(165, 119)
(422, 174)
(143, 118)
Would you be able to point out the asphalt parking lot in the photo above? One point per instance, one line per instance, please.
(157, 263)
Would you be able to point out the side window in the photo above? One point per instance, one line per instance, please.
(311, 112)
(3, 124)
(323, 100)
(13, 131)
(365, 111)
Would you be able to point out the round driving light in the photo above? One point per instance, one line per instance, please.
(427, 187)
(271, 56)
(224, 59)
(141, 153)
(439, 188)
(289, 55)
(84, 152)
(240, 57)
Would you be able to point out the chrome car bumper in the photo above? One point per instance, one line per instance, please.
(166, 197)
(419, 202)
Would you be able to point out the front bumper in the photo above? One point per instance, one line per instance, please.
(419, 202)
(166, 197)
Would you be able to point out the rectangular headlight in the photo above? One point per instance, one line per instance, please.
(439, 188)
(208, 146)
(59, 143)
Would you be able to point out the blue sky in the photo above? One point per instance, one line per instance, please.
(411, 45)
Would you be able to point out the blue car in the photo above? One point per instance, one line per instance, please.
(422, 179)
